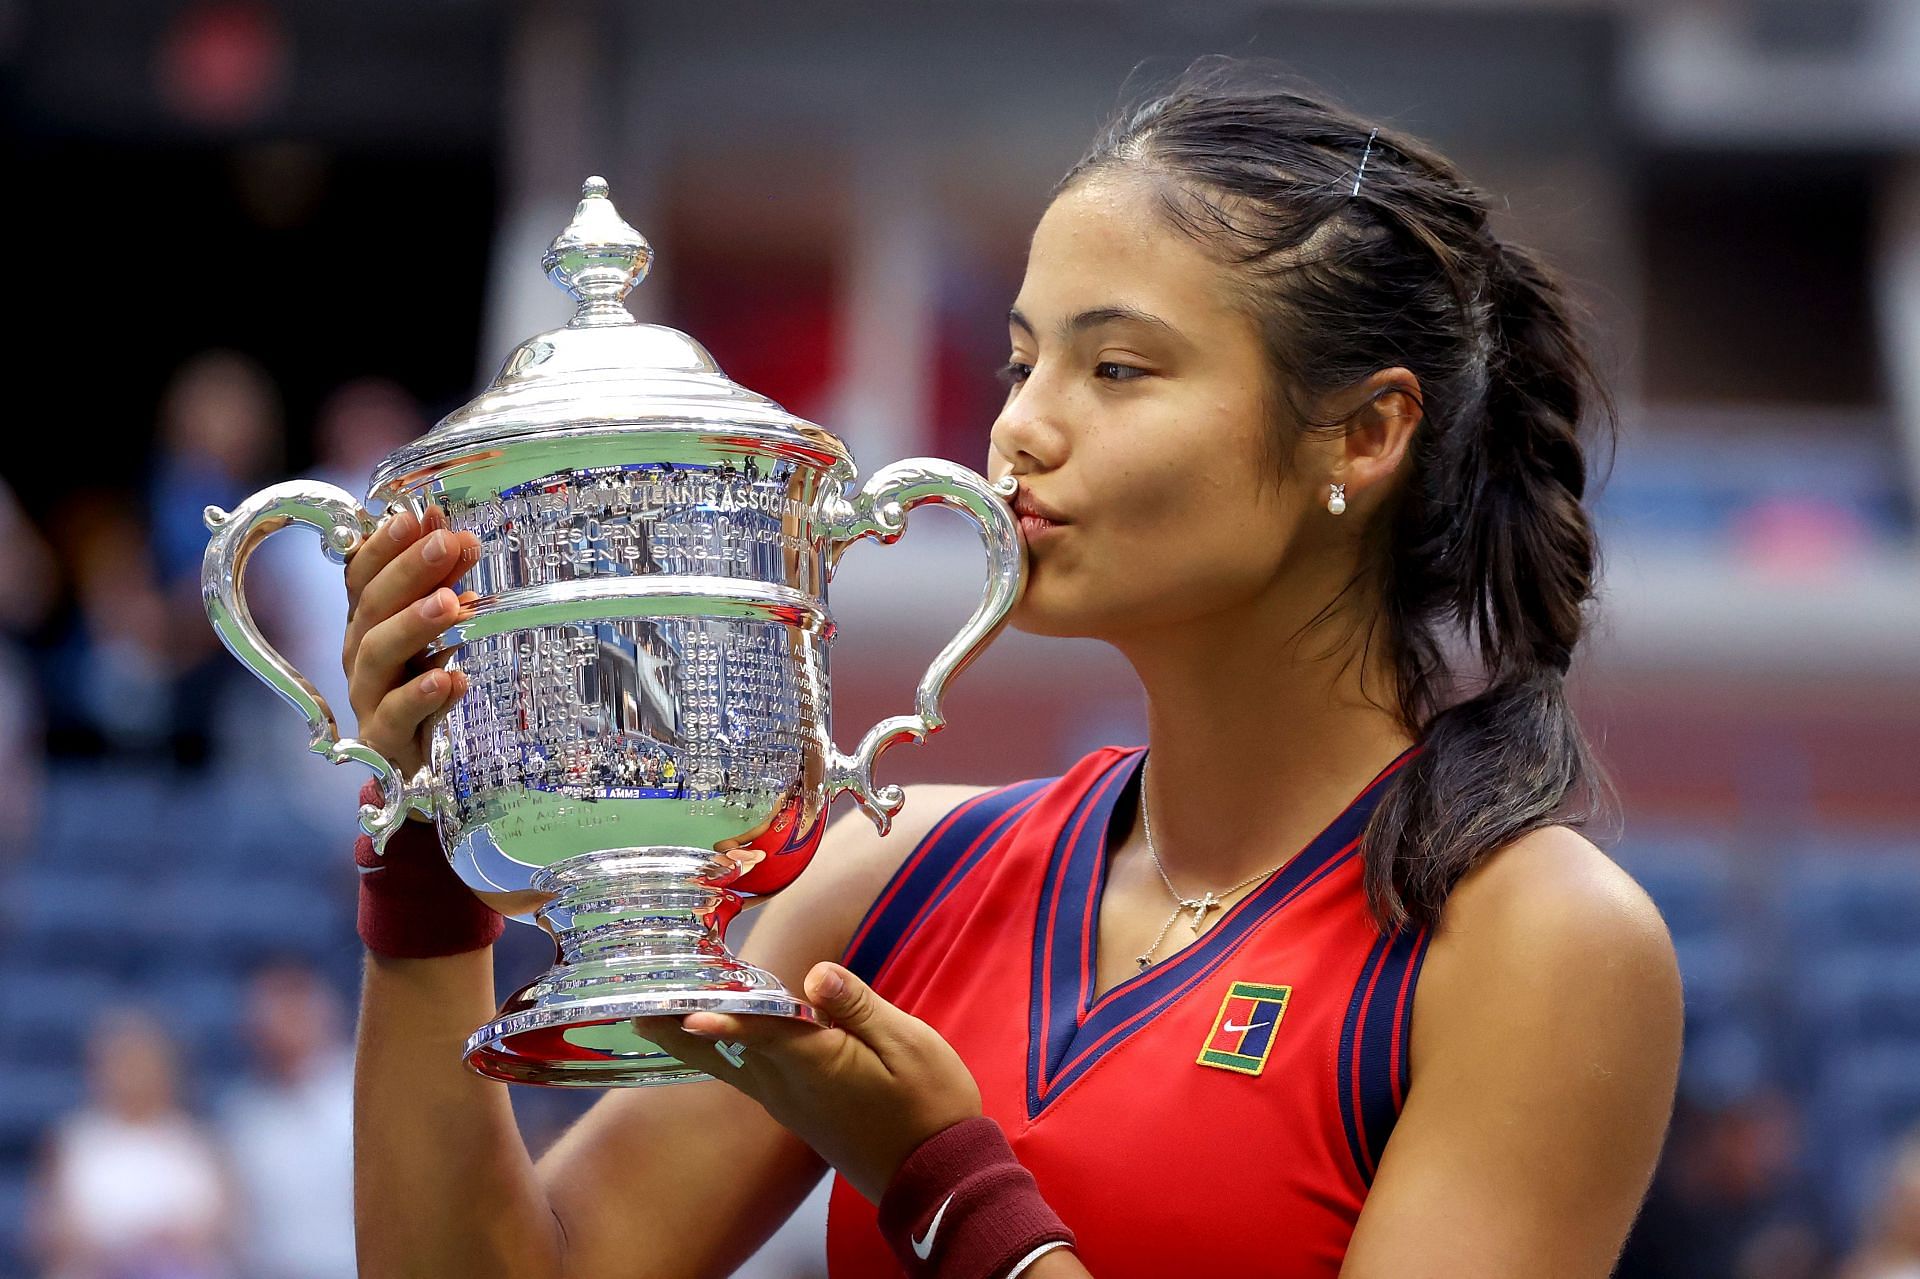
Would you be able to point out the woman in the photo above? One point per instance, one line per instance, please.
(1288, 421)
(133, 1186)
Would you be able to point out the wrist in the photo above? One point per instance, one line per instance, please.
(962, 1207)
(412, 905)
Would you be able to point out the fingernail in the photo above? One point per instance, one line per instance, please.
(832, 985)
(432, 682)
(435, 607)
(435, 551)
(400, 527)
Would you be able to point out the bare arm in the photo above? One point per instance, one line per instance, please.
(1546, 1045)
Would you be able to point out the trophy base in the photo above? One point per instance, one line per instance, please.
(594, 1045)
(650, 944)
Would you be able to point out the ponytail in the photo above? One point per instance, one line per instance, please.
(1506, 760)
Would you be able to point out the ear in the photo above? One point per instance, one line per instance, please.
(1380, 413)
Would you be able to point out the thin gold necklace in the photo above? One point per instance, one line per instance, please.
(1198, 905)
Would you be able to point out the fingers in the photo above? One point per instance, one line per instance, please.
(852, 1014)
(439, 661)
(699, 1051)
(381, 664)
(398, 540)
(432, 562)
(437, 558)
(845, 1002)
(695, 1038)
(402, 713)
(767, 1032)
(850, 1004)
(393, 535)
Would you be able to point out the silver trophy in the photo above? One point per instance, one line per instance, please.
(645, 740)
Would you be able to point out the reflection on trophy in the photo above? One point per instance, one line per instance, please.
(645, 737)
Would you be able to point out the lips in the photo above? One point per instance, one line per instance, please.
(1027, 506)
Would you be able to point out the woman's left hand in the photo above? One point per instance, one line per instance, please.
(863, 1090)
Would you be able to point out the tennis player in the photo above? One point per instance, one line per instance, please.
(1319, 981)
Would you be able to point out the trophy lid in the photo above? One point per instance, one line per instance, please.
(604, 372)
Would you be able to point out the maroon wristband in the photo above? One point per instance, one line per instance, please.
(962, 1207)
(412, 905)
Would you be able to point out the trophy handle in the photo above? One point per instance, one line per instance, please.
(879, 510)
(343, 524)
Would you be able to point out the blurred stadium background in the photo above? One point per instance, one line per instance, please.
(266, 240)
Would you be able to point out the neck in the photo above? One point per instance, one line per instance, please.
(1259, 736)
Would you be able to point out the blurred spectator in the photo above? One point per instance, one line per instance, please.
(289, 1130)
(27, 587)
(359, 425)
(220, 440)
(1891, 1249)
(108, 678)
(220, 436)
(1726, 1202)
(131, 1187)
(300, 598)
(27, 577)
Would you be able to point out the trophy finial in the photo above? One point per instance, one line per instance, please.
(598, 259)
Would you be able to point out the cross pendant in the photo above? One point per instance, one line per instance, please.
(1200, 906)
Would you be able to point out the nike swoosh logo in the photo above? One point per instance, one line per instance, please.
(923, 1248)
(368, 870)
(1249, 1026)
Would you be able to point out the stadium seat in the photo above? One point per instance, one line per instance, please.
(1834, 904)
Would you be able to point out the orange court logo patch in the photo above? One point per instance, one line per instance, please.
(1244, 1029)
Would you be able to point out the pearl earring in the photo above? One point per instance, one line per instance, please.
(1337, 503)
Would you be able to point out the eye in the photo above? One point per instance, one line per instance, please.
(1110, 371)
(1013, 373)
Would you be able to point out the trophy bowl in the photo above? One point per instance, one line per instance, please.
(645, 740)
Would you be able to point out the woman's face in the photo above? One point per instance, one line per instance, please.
(1138, 411)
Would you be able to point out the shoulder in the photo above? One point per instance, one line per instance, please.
(1549, 922)
(1552, 893)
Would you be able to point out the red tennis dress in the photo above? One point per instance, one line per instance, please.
(1221, 1112)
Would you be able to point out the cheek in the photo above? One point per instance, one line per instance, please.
(1218, 546)
(1172, 548)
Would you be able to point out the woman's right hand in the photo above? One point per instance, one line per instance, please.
(399, 598)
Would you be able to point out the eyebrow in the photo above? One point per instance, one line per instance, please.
(1094, 318)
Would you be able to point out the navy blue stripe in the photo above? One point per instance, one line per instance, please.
(1402, 1074)
(920, 874)
(1057, 990)
(1344, 1069)
(1376, 1063)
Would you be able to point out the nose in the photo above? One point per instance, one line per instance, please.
(1026, 436)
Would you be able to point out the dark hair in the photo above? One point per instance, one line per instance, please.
(1487, 540)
